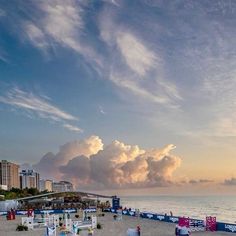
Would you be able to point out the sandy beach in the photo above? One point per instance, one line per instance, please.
(109, 227)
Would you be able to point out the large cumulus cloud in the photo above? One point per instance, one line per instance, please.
(49, 165)
(88, 164)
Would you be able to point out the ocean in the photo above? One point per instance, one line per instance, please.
(223, 207)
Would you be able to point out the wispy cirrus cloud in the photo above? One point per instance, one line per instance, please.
(101, 110)
(73, 128)
(136, 89)
(21, 99)
(63, 24)
(39, 105)
(135, 65)
(3, 58)
(220, 85)
(156, 58)
(68, 16)
(2, 12)
(3, 55)
(46, 31)
(138, 57)
(60, 25)
(114, 2)
(36, 36)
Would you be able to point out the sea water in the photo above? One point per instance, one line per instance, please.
(223, 207)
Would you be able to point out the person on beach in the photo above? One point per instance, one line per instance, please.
(177, 230)
(139, 230)
(184, 231)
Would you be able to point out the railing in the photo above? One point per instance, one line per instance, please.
(220, 226)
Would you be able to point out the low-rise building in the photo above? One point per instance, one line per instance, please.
(45, 185)
(62, 186)
(3, 187)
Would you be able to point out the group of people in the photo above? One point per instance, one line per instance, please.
(11, 215)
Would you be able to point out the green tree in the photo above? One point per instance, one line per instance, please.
(33, 191)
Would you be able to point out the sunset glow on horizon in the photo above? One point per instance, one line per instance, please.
(121, 96)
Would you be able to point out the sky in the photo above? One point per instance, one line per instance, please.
(119, 95)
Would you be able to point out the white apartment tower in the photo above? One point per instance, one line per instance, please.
(29, 179)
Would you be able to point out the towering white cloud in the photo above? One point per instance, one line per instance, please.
(49, 165)
(88, 165)
(77, 171)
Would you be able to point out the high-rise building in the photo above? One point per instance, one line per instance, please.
(45, 185)
(41, 185)
(62, 186)
(48, 185)
(29, 179)
(9, 174)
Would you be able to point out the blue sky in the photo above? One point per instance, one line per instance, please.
(148, 73)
